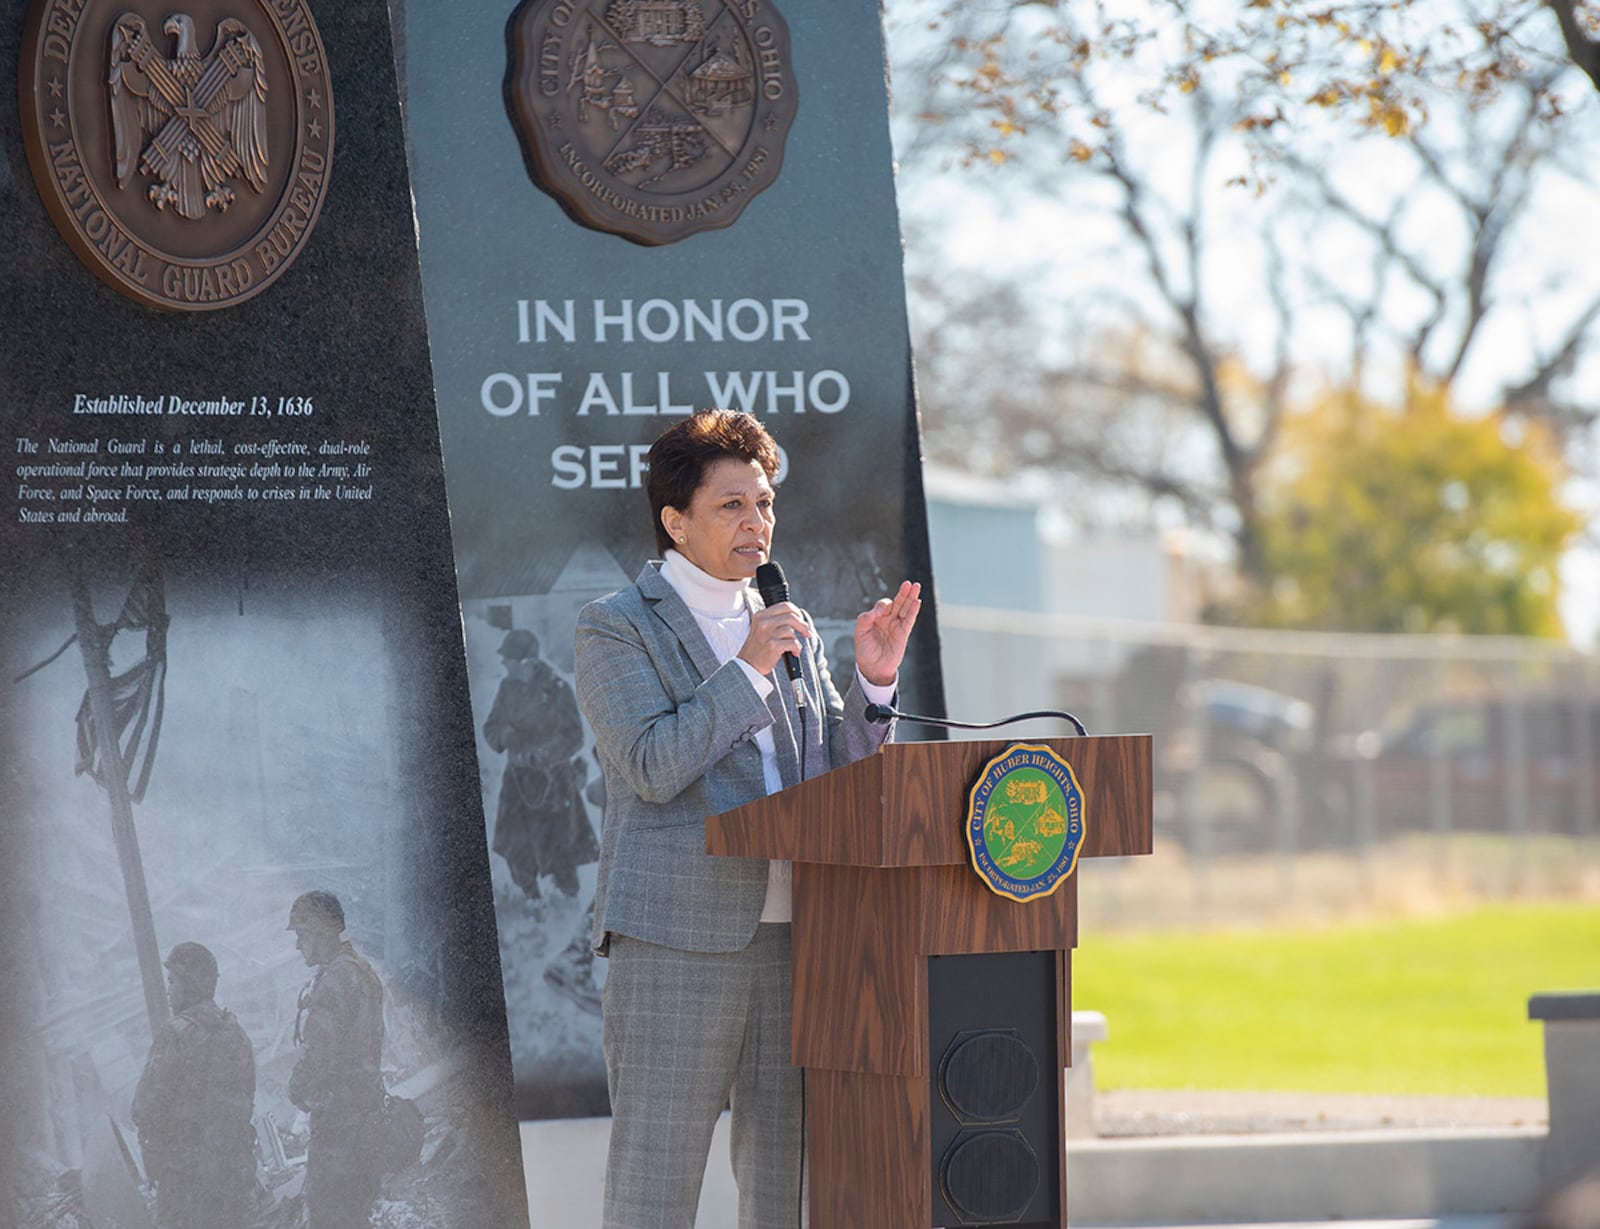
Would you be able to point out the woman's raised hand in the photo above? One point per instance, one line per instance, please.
(882, 632)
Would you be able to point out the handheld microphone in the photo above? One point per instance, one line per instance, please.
(774, 588)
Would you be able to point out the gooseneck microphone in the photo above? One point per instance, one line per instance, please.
(774, 588)
(881, 713)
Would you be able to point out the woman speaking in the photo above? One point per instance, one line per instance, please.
(680, 679)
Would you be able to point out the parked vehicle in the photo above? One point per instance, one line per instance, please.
(1493, 762)
(1230, 769)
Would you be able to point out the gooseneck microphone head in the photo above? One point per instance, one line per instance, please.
(773, 587)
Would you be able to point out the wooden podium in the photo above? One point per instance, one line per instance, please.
(911, 1057)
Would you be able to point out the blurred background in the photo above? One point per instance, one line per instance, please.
(1254, 347)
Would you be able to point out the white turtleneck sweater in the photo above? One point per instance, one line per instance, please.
(719, 608)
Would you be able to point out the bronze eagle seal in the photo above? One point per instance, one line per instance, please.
(652, 119)
(184, 156)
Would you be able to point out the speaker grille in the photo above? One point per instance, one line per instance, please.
(990, 1176)
(994, 1114)
(988, 1076)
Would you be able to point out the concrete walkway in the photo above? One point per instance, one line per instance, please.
(1444, 1222)
(1195, 1158)
(1129, 1113)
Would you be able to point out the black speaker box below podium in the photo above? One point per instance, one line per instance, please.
(995, 1131)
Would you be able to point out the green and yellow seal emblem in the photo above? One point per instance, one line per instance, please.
(1025, 822)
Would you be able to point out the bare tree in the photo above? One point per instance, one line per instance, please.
(1251, 255)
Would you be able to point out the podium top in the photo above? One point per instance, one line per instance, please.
(906, 805)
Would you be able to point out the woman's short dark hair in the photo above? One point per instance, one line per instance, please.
(680, 455)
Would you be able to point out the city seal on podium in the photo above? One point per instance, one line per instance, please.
(652, 119)
(184, 156)
(1025, 822)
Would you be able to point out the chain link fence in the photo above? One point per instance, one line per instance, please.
(1296, 768)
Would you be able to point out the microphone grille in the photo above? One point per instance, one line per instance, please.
(771, 583)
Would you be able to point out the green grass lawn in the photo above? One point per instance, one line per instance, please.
(1411, 1007)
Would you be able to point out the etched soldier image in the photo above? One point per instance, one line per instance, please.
(338, 1079)
(194, 1103)
(541, 826)
(183, 756)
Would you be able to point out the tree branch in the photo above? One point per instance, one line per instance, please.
(1585, 52)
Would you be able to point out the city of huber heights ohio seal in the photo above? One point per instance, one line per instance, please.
(1025, 822)
(652, 119)
(183, 155)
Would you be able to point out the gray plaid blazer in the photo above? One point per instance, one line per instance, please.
(675, 735)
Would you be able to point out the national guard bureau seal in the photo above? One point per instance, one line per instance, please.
(652, 119)
(184, 155)
(1025, 822)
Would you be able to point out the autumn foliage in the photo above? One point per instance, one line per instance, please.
(1412, 518)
